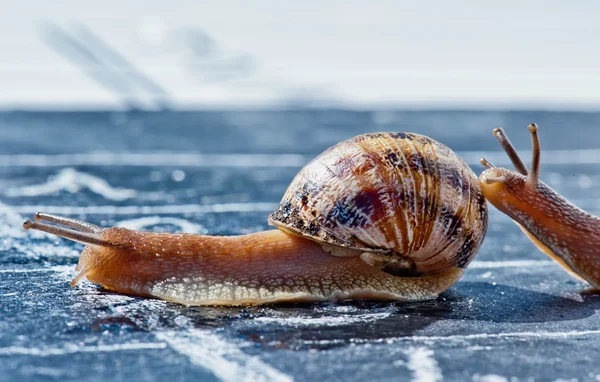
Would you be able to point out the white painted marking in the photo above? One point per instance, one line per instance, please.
(466, 337)
(476, 264)
(71, 180)
(324, 321)
(56, 268)
(155, 159)
(148, 210)
(551, 157)
(423, 366)
(489, 378)
(462, 337)
(225, 360)
(72, 349)
(485, 275)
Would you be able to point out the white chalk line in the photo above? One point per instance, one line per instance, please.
(479, 264)
(452, 339)
(147, 210)
(154, 159)
(534, 335)
(54, 268)
(324, 321)
(71, 180)
(72, 349)
(34, 270)
(223, 359)
(423, 365)
(550, 157)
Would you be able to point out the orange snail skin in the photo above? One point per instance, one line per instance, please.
(387, 216)
(566, 233)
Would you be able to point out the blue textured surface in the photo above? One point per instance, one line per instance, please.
(514, 314)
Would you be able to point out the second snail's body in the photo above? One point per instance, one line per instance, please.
(566, 233)
(381, 216)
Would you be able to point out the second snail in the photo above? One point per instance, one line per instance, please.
(388, 216)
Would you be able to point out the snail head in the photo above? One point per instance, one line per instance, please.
(507, 190)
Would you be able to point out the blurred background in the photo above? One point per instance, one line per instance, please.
(353, 54)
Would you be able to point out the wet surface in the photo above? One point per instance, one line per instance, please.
(513, 316)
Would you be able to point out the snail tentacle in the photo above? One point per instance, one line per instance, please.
(510, 150)
(534, 175)
(83, 237)
(486, 163)
(79, 225)
(494, 179)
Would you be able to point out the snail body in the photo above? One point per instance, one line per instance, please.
(392, 216)
(561, 230)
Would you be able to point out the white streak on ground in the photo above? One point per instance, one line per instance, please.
(452, 339)
(534, 335)
(223, 359)
(477, 264)
(485, 336)
(147, 210)
(9, 221)
(423, 366)
(489, 378)
(56, 268)
(72, 349)
(155, 159)
(71, 180)
(324, 321)
(551, 157)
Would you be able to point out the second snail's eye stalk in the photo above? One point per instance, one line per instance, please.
(510, 150)
(534, 174)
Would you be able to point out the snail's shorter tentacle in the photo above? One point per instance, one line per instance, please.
(510, 150)
(67, 233)
(491, 179)
(534, 174)
(486, 163)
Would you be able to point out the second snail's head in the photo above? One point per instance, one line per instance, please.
(512, 192)
(501, 187)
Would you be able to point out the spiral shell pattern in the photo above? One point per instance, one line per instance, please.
(403, 197)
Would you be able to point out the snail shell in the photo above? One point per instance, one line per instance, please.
(405, 199)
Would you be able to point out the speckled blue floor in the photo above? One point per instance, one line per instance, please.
(514, 316)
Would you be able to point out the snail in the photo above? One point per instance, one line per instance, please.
(566, 233)
(388, 216)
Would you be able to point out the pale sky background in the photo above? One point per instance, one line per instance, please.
(516, 54)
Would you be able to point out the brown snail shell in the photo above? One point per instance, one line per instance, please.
(405, 198)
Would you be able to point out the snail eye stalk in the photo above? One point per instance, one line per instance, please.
(534, 175)
(510, 150)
